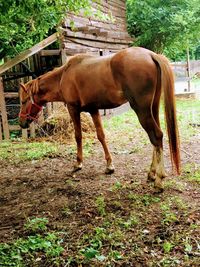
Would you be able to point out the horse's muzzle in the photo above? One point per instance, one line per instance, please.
(24, 124)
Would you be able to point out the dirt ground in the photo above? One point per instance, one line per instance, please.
(44, 188)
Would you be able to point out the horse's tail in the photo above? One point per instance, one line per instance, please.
(167, 85)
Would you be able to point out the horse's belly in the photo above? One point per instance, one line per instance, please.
(103, 100)
(96, 105)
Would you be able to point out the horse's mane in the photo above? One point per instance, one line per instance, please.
(32, 86)
(74, 60)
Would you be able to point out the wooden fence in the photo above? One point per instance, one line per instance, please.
(185, 71)
(12, 73)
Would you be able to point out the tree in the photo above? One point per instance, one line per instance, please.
(23, 23)
(164, 24)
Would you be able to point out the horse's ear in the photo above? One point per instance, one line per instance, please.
(23, 87)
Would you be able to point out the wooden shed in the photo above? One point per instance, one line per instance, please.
(98, 33)
(95, 35)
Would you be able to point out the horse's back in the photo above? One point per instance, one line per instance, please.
(135, 59)
(104, 81)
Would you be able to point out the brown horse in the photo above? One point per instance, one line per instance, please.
(89, 83)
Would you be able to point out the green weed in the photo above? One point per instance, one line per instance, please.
(168, 215)
(145, 200)
(36, 224)
(66, 211)
(88, 148)
(195, 177)
(117, 186)
(127, 224)
(167, 246)
(101, 205)
(31, 247)
(21, 151)
(115, 255)
(169, 262)
(191, 173)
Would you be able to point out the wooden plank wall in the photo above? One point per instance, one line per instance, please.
(90, 34)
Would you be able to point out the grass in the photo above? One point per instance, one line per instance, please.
(188, 114)
(191, 173)
(24, 251)
(125, 126)
(123, 225)
(21, 150)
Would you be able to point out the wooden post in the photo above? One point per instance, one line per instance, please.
(188, 69)
(32, 130)
(24, 134)
(57, 105)
(3, 112)
(49, 108)
(24, 131)
(63, 56)
(1, 136)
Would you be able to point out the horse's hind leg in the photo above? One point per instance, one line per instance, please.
(101, 136)
(156, 153)
(157, 172)
(75, 116)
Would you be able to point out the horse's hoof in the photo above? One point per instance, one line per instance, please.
(151, 177)
(77, 168)
(158, 190)
(109, 170)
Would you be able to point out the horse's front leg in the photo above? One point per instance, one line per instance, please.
(157, 170)
(101, 136)
(75, 116)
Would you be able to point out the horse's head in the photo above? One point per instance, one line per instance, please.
(30, 106)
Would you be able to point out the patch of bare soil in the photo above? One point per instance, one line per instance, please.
(46, 188)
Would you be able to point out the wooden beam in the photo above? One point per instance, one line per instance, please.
(63, 56)
(93, 44)
(29, 52)
(11, 95)
(51, 52)
(3, 112)
(14, 128)
(100, 39)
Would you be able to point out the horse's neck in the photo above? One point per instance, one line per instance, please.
(51, 84)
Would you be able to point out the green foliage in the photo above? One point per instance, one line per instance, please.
(26, 249)
(161, 24)
(99, 238)
(145, 200)
(36, 224)
(117, 186)
(20, 151)
(169, 217)
(167, 246)
(24, 23)
(90, 253)
(191, 174)
(101, 205)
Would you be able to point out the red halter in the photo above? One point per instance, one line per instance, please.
(33, 109)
